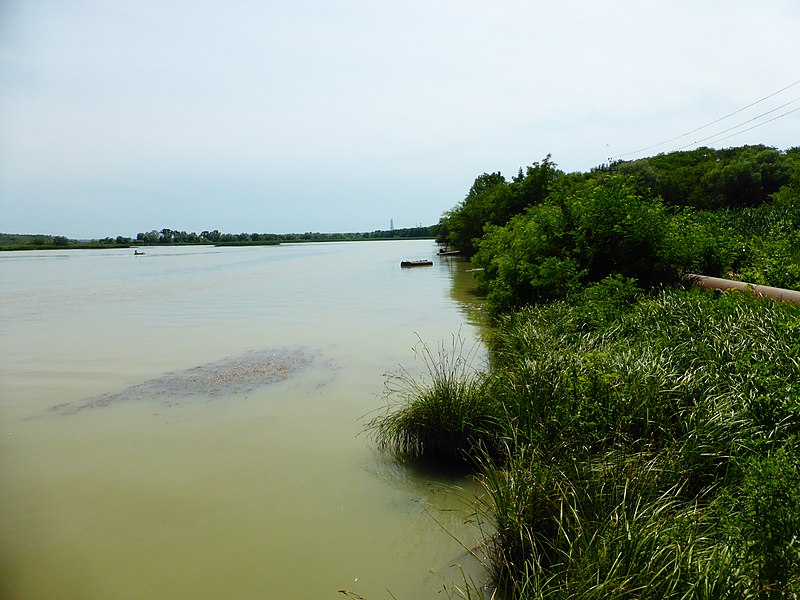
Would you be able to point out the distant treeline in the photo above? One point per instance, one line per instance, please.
(14, 241)
(172, 236)
(21, 241)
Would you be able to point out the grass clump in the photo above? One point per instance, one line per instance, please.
(630, 445)
(442, 415)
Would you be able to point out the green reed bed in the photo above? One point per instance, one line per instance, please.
(641, 446)
(442, 414)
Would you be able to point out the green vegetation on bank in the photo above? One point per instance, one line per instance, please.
(546, 234)
(635, 439)
(215, 237)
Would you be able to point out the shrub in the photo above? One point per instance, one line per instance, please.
(763, 511)
(586, 233)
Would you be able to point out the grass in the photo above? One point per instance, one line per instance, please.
(630, 445)
(442, 415)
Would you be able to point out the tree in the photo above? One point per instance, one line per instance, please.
(491, 200)
(748, 177)
(577, 236)
(211, 236)
(465, 222)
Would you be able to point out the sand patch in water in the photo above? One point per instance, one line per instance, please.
(227, 377)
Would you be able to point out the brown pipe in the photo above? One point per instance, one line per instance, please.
(760, 291)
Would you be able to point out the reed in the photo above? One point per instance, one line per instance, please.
(607, 528)
(442, 413)
(649, 450)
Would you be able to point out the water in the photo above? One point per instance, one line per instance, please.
(247, 492)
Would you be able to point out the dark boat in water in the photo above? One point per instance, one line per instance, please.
(416, 263)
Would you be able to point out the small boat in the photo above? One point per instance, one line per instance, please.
(137, 253)
(449, 253)
(416, 263)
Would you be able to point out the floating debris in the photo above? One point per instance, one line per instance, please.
(226, 377)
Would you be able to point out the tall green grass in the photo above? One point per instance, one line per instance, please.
(631, 445)
(441, 414)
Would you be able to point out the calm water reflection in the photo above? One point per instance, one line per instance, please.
(267, 492)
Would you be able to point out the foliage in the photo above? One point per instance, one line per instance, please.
(634, 439)
(763, 514)
(582, 234)
(711, 179)
(491, 200)
(544, 235)
(769, 240)
(701, 179)
(12, 241)
(645, 445)
(445, 413)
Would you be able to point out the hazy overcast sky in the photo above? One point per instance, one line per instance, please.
(120, 116)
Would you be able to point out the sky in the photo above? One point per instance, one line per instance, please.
(278, 116)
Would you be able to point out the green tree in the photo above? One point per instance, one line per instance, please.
(491, 200)
(578, 235)
(466, 221)
(747, 177)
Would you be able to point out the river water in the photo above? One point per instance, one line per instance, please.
(189, 423)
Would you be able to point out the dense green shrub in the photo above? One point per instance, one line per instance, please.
(771, 241)
(712, 179)
(545, 235)
(763, 512)
(604, 228)
(585, 233)
(492, 200)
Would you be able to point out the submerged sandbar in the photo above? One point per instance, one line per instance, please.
(230, 376)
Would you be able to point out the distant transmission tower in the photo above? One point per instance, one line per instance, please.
(391, 224)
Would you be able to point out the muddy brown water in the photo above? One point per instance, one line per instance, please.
(188, 423)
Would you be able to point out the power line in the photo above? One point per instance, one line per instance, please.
(744, 123)
(715, 121)
(756, 125)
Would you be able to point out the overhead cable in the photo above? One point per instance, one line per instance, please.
(736, 112)
(743, 123)
(757, 125)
